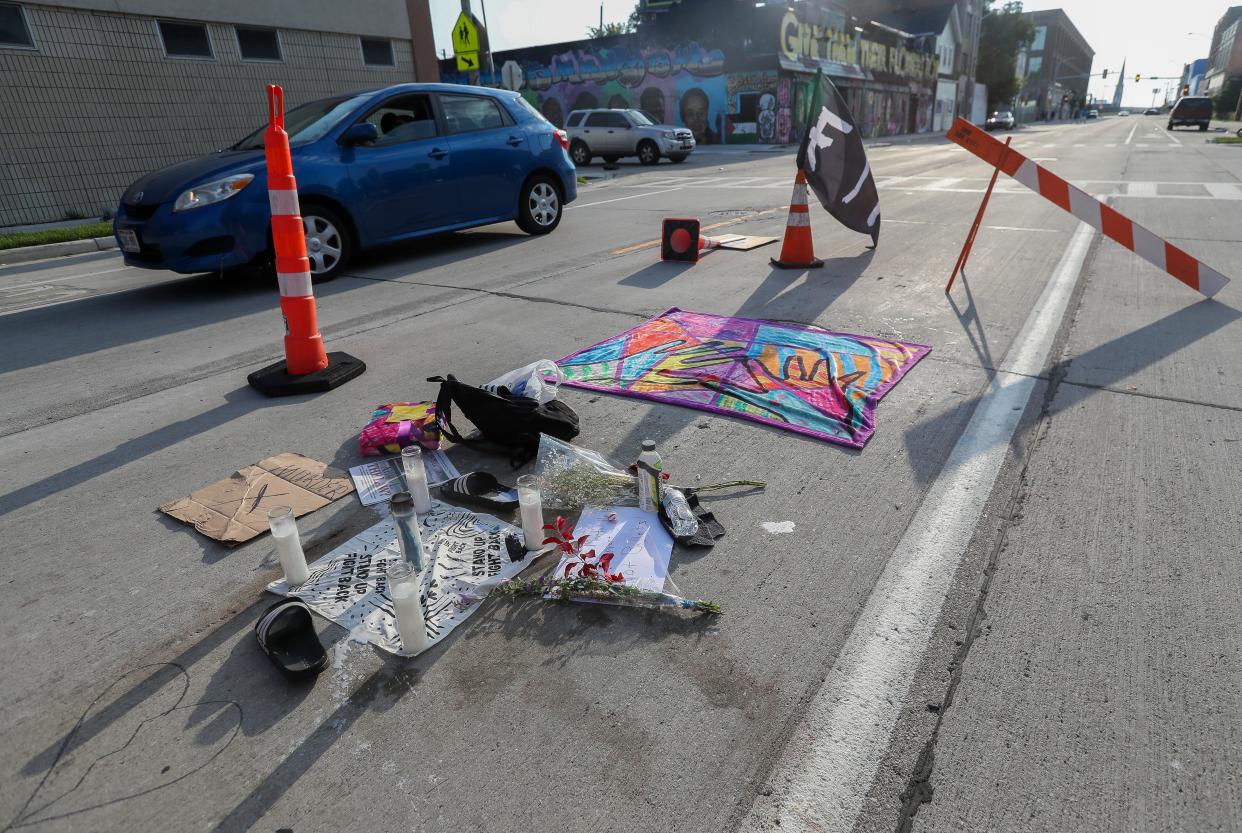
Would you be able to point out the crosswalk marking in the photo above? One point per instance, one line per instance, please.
(1231, 191)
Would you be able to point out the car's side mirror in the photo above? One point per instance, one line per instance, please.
(360, 134)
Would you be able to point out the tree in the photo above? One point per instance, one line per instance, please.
(1002, 35)
(1225, 101)
(624, 27)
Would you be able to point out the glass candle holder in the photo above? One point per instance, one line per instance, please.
(404, 590)
(409, 536)
(530, 503)
(416, 478)
(288, 544)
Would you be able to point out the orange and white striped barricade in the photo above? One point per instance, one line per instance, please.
(1190, 271)
(798, 249)
(306, 368)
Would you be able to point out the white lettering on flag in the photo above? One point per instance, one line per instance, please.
(858, 185)
(827, 119)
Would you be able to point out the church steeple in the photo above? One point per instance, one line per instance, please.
(1121, 86)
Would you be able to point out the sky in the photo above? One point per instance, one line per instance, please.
(1155, 39)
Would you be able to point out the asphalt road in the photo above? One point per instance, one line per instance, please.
(1017, 608)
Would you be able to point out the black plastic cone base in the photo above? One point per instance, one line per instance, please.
(814, 264)
(274, 381)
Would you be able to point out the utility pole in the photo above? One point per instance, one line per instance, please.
(487, 43)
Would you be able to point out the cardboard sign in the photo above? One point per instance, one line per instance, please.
(234, 510)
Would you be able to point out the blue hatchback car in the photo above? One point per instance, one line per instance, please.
(372, 167)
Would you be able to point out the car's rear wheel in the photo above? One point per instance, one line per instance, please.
(1202, 128)
(580, 153)
(1170, 124)
(540, 209)
(329, 244)
(648, 153)
(680, 157)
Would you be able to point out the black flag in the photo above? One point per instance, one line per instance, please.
(835, 163)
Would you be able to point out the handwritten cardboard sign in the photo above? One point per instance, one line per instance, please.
(234, 510)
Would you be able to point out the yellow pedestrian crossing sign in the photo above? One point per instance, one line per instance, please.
(465, 37)
(467, 61)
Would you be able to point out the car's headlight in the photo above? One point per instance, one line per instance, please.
(211, 192)
(669, 134)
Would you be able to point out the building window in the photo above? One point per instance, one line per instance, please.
(14, 31)
(377, 52)
(185, 40)
(1041, 34)
(1034, 64)
(468, 113)
(258, 44)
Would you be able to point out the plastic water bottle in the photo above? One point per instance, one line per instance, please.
(649, 464)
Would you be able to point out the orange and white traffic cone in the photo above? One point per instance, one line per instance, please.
(307, 368)
(798, 249)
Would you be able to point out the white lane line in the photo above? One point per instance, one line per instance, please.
(996, 228)
(1172, 138)
(59, 278)
(1141, 145)
(1141, 189)
(825, 773)
(618, 199)
(1131, 136)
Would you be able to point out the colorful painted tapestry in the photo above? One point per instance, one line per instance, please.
(803, 379)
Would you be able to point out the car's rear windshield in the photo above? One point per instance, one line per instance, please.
(530, 108)
(1194, 105)
(308, 122)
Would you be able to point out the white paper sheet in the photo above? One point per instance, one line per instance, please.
(466, 558)
(379, 480)
(640, 545)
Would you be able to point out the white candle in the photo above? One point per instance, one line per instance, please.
(416, 478)
(288, 545)
(411, 622)
(530, 503)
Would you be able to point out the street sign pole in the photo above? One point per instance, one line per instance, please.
(487, 44)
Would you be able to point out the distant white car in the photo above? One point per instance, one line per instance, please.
(1124, 113)
(614, 133)
(1000, 120)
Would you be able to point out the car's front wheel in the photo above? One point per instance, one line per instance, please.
(539, 211)
(580, 153)
(329, 245)
(648, 153)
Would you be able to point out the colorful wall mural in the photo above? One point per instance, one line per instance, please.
(682, 85)
(741, 88)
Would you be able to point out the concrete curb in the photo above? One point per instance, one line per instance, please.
(24, 254)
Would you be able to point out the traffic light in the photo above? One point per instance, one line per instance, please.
(1104, 74)
(1185, 89)
(1065, 99)
(1137, 77)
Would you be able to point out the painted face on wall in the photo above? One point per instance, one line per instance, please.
(551, 110)
(618, 102)
(694, 106)
(652, 100)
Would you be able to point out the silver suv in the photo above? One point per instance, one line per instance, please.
(616, 133)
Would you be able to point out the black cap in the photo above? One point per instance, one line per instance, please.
(648, 445)
(401, 502)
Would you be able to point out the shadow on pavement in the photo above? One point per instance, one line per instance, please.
(173, 305)
(656, 274)
(968, 317)
(1107, 364)
(800, 295)
(238, 402)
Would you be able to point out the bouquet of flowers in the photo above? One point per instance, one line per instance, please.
(587, 577)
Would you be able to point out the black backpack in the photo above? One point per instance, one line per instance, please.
(514, 422)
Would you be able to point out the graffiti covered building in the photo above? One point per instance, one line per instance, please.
(731, 72)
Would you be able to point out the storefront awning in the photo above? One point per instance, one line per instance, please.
(834, 69)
